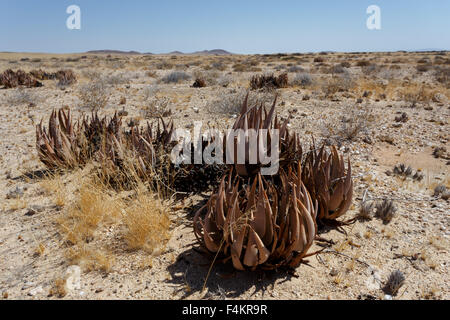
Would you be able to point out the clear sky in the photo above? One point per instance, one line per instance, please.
(245, 26)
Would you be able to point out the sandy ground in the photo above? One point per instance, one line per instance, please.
(355, 267)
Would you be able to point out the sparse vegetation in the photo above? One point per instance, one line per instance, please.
(302, 79)
(106, 197)
(394, 283)
(269, 81)
(176, 77)
(94, 95)
(385, 210)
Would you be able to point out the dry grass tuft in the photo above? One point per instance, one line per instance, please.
(356, 122)
(96, 209)
(92, 207)
(53, 185)
(393, 284)
(147, 224)
(58, 288)
(385, 210)
(365, 211)
(269, 81)
(90, 259)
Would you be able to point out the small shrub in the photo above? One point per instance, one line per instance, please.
(336, 69)
(356, 122)
(365, 211)
(362, 63)
(94, 95)
(176, 77)
(442, 75)
(65, 78)
(156, 107)
(295, 69)
(199, 83)
(116, 79)
(385, 210)
(164, 65)
(394, 283)
(150, 91)
(224, 80)
(218, 66)
(337, 84)
(22, 96)
(302, 79)
(269, 81)
(407, 171)
(423, 67)
(230, 103)
(242, 67)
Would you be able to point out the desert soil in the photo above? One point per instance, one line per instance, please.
(33, 254)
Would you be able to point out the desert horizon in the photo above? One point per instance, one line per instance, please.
(208, 174)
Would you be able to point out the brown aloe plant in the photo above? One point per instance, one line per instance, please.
(328, 181)
(263, 224)
(258, 119)
(11, 79)
(123, 155)
(58, 146)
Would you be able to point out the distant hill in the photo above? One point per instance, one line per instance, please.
(218, 52)
(429, 50)
(113, 52)
(176, 52)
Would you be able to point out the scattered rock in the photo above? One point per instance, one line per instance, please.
(72, 278)
(386, 138)
(367, 140)
(402, 118)
(439, 152)
(15, 193)
(333, 272)
(122, 113)
(36, 291)
(34, 209)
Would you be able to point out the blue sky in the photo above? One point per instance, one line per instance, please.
(244, 26)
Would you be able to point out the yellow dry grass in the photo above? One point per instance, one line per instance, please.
(90, 258)
(147, 223)
(93, 207)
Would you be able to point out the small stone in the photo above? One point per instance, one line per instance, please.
(387, 297)
(73, 274)
(333, 272)
(27, 285)
(15, 193)
(30, 212)
(35, 291)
